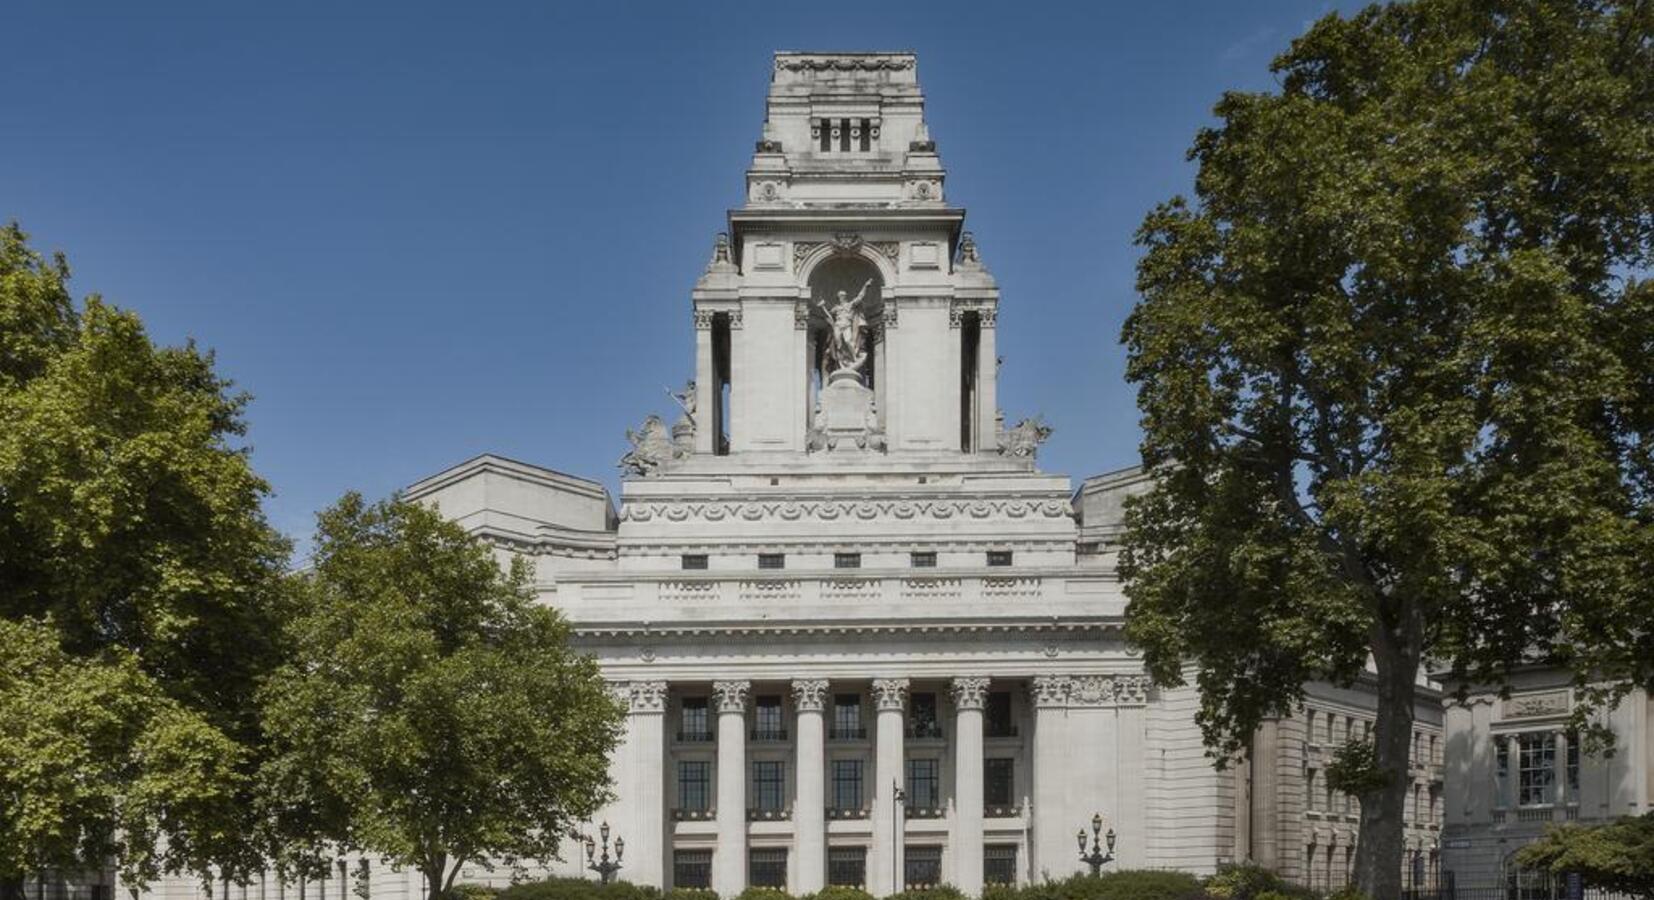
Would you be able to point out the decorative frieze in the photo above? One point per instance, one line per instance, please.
(890, 694)
(1049, 690)
(731, 696)
(1526, 706)
(930, 590)
(843, 63)
(969, 691)
(829, 510)
(810, 694)
(1095, 691)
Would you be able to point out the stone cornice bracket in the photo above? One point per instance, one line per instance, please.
(969, 691)
(703, 319)
(810, 694)
(887, 319)
(890, 694)
(647, 696)
(1049, 691)
(801, 314)
(731, 695)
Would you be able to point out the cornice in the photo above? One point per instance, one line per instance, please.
(1101, 626)
(1021, 505)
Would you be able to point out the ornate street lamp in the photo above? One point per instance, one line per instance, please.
(1097, 856)
(604, 867)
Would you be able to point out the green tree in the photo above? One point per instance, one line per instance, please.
(1394, 367)
(1615, 856)
(431, 711)
(131, 531)
(97, 763)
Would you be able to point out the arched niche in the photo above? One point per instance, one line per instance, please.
(849, 273)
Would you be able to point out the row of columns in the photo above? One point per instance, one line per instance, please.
(1087, 748)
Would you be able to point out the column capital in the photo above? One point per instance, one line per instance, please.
(731, 695)
(1049, 690)
(643, 696)
(890, 694)
(810, 694)
(969, 691)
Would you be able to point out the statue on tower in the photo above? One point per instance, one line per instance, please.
(848, 324)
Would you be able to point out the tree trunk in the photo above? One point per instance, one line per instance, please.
(435, 871)
(1379, 850)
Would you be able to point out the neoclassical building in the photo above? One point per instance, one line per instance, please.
(862, 639)
(857, 631)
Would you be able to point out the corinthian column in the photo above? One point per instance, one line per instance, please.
(884, 870)
(810, 799)
(729, 860)
(643, 787)
(968, 695)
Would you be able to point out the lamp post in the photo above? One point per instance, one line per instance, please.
(604, 866)
(1097, 856)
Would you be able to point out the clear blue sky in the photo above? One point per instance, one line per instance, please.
(416, 232)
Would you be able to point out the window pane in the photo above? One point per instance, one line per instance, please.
(847, 716)
(847, 866)
(769, 785)
(847, 784)
(694, 785)
(767, 867)
(999, 864)
(694, 560)
(923, 559)
(997, 716)
(924, 866)
(697, 725)
(997, 790)
(767, 720)
(921, 716)
(924, 786)
(692, 868)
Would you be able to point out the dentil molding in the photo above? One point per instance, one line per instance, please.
(828, 510)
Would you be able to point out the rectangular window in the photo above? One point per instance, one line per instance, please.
(999, 864)
(924, 866)
(1535, 769)
(847, 866)
(692, 869)
(767, 867)
(694, 560)
(997, 719)
(826, 127)
(694, 785)
(847, 717)
(847, 785)
(769, 785)
(844, 135)
(721, 387)
(772, 560)
(923, 559)
(1309, 782)
(999, 557)
(866, 135)
(847, 560)
(768, 723)
(997, 781)
(1309, 725)
(922, 720)
(697, 725)
(924, 784)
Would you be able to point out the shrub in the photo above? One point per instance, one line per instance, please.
(689, 893)
(583, 889)
(940, 892)
(1125, 884)
(472, 892)
(1251, 882)
(839, 893)
(1347, 893)
(763, 893)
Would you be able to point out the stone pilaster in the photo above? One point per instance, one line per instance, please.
(638, 768)
(729, 860)
(1052, 844)
(969, 692)
(810, 797)
(884, 859)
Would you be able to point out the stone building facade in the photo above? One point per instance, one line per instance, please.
(861, 638)
(1513, 767)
